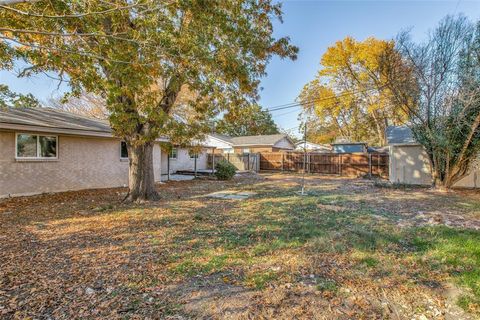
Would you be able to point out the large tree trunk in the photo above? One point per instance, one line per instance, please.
(141, 180)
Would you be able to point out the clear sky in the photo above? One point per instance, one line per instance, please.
(314, 26)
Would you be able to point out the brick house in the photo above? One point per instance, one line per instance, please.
(47, 150)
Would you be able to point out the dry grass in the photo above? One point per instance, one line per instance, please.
(350, 249)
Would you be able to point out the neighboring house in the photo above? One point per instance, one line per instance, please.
(384, 149)
(250, 144)
(47, 150)
(349, 147)
(182, 159)
(312, 147)
(409, 163)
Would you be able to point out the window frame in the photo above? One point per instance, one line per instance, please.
(123, 158)
(170, 154)
(38, 146)
(195, 155)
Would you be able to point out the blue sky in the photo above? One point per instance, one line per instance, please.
(314, 26)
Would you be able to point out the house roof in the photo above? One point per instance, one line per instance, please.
(347, 143)
(300, 144)
(54, 121)
(49, 118)
(400, 135)
(221, 137)
(383, 149)
(261, 140)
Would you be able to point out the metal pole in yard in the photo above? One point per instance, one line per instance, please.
(213, 160)
(195, 164)
(304, 157)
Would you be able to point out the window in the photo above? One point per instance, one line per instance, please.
(228, 150)
(173, 153)
(246, 150)
(123, 150)
(193, 155)
(31, 146)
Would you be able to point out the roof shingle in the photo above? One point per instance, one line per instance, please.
(270, 140)
(400, 135)
(52, 118)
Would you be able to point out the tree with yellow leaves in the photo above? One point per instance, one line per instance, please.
(350, 91)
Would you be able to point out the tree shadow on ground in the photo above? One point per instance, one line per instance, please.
(278, 253)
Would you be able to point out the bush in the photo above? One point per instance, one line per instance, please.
(224, 170)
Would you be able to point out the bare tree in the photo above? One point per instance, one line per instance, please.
(444, 100)
(86, 104)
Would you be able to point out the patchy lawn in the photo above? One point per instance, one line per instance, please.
(349, 249)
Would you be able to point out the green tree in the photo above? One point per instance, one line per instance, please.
(443, 103)
(247, 121)
(16, 100)
(142, 56)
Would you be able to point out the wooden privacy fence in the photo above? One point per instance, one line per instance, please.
(345, 164)
(243, 162)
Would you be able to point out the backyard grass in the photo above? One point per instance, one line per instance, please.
(348, 249)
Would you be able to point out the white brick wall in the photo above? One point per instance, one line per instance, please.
(83, 163)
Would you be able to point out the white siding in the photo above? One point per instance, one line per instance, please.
(410, 165)
(184, 162)
(472, 180)
(157, 162)
(217, 143)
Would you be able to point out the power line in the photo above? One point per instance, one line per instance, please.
(300, 103)
(285, 113)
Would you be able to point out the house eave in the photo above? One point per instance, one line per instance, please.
(66, 131)
(221, 140)
(254, 145)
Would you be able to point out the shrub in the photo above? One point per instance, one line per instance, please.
(224, 170)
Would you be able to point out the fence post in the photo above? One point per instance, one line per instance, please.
(309, 158)
(340, 164)
(370, 165)
(248, 161)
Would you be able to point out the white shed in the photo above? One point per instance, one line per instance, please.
(409, 163)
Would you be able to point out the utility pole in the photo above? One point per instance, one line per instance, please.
(304, 156)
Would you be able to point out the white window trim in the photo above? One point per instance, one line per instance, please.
(123, 158)
(170, 153)
(38, 146)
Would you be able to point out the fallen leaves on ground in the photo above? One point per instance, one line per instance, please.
(338, 253)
